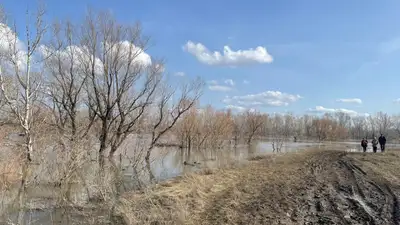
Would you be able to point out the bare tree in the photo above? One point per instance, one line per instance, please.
(66, 82)
(359, 126)
(253, 122)
(21, 97)
(322, 128)
(121, 83)
(167, 115)
(238, 126)
(20, 87)
(187, 127)
(384, 122)
(372, 125)
(396, 124)
(308, 125)
(343, 119)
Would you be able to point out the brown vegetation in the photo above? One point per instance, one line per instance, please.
(313, 187)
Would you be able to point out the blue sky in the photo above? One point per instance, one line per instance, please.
(323, 51)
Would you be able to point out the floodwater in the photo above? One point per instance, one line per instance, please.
(43, 197)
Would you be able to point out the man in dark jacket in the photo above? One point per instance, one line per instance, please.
(364, 144)
(382, 142)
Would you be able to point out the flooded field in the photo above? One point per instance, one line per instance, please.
(128, 172)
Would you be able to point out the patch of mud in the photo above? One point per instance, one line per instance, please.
(331, 187)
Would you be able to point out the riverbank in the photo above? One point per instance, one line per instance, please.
(311, 187)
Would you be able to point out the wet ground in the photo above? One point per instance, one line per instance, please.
(313, 187)
(43, 195)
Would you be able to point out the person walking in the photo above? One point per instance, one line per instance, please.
(364, 144)
(382, 142)
(374, 144)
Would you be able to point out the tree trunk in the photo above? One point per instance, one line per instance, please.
(103, 138)
(29, 145)
(249, 139)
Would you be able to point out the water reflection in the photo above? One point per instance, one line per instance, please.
(97, 183)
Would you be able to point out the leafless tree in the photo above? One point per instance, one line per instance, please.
(238, 127)
(372, 125)
(253, 123)
(308, 124)
(359, 126)
(20, 86)
(121, 83)
(322, 128)
(343, 119)
(166, 115)
(277, 130)
(384, 122)
(66, 81)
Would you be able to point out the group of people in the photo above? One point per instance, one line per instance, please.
(381, 141)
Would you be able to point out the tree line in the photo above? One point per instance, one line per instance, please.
(211, 128)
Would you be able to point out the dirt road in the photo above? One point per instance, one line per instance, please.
(317, 187)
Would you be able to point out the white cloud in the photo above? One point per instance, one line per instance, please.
(267, 98)
(397, 101)
(321, 109)
(124, 51)
(11, 45)
(239, 108)
(128, 51)
(235, 107)
(217, 87)
(180, 74)
(246, 82)
(213, 85)
(350, 100)
(229, 82)
(228, 57)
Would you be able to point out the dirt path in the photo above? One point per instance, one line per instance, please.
(328, 187)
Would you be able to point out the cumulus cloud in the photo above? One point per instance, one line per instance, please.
(124, 50)
(214, 85)
(397, 101)
(127, 53)
(11, 45)
(263, 99)
(180, 74)
(350, 100)
(229, 82)
(219, 88)
(228, 57)
(321, 109)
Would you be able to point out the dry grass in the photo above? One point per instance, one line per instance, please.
(271, 190)
(10, 171)
(385, 165)
(188, 200)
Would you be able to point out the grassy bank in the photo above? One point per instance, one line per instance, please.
(312, 187)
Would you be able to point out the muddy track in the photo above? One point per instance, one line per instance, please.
(328, 187)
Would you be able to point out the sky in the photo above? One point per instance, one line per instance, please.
(273, 56)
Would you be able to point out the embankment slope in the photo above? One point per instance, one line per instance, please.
(312, 187)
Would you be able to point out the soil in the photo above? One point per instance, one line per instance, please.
(316, 187)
